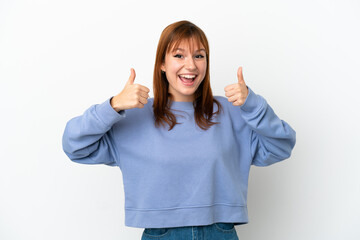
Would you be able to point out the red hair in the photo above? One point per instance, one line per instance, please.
(170, 38)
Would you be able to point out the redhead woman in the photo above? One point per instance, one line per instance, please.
(185, 154)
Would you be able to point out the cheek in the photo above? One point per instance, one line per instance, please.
(177, 67)
(171, 76)
(203, 68)
(201, 64)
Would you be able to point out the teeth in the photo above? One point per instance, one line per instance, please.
(188, 76)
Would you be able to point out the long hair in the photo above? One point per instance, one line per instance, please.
(171, 38)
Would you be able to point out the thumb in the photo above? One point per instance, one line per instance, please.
(240, 76)
(132, 77)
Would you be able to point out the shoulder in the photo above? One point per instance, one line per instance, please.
(151, 101)
(147, 109)
(228, 110)
(220, 98)
(223, 101)
(138, 116)
(252, 103)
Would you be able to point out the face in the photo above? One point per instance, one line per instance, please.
(185, 70)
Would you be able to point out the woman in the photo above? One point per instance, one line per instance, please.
(185, 155)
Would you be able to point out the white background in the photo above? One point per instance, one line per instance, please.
(57, 58)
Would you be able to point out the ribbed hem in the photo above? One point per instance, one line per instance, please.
(192, 216)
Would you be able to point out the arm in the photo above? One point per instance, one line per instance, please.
(88, 138)
(272, 139)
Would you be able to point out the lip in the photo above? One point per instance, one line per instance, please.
(188, 74)
(188, 84)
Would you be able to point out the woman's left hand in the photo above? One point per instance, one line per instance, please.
(237, 92)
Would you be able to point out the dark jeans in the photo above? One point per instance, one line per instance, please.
(216, 231)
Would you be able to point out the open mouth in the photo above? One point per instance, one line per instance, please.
(188, 80)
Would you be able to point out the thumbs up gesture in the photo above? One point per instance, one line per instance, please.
(237, 92)
(132, 96)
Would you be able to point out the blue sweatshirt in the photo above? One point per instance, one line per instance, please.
(186, 176)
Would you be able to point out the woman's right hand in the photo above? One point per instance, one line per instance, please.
(132, 96)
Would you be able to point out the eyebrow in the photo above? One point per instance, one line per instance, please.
(195, 51)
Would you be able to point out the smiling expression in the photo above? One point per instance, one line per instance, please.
(185, 69)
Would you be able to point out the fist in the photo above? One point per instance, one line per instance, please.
(237, 92)
(132, 96)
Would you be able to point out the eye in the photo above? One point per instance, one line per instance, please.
(199, 56)
(178, 56)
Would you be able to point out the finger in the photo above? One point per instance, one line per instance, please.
(144, 94)
(233, 98)
(231, 92)
(230, 87)
(144, 89)
(139, 105)
(132, 77)
(143, 100)
(236, 103)
(240, 76)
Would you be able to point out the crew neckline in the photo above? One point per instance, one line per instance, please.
(182, 105)
(177, 105)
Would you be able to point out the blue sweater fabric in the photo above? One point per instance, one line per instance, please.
(186, 176)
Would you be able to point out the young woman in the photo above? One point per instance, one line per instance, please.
(185, 155)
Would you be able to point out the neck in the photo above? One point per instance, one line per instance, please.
(189, 98)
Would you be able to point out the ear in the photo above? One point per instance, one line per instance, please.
(163, 68)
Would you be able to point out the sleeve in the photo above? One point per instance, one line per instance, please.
(271, 139)
(89, 139)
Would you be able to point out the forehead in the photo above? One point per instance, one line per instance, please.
(190, 44)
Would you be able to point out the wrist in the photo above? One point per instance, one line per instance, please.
(112, 103)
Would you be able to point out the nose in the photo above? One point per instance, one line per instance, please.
(190, 64)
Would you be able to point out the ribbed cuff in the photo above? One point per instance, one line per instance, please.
(107, 114)
(253, 102)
